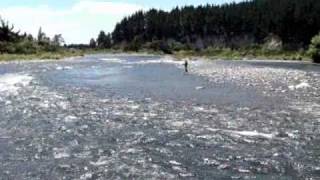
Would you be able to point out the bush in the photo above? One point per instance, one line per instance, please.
(19, 47)
(159, 45)
(26, 47)
(134, 45)
(178, 46)
(314, 49)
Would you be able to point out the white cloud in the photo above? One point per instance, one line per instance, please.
(109, 8)
(78, 24)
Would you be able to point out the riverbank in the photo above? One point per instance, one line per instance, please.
(42, 55)
(218, 54)
(246, 54)
(210, 54)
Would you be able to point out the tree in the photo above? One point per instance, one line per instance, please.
(7, 32)
(92, 43)
(58, 40)
(295, 22)
(104, 41)
(135, 44)
(43, 40)
(314, 49)
(29, 37)
(41, 35)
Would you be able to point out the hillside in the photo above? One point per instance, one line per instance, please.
(273, 24)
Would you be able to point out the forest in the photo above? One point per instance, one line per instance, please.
(273, 24)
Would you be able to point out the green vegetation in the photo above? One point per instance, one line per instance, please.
(240, 54)
(263, 29)
(16, 46)
(235, 25)
(104, 41)
(314, 49)
(41, 55)
(277, 29)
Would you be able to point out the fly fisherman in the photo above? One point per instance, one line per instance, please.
(186, 65)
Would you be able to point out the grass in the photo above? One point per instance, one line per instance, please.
(42, 55)
(119, 51)
(61, 54)
(225, 54)
(228, 54)
(209, 53)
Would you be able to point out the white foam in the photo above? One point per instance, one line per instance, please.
(202, 109)
(128, 67)
(70, 119)
(12, 82)
(86, 176)
(175, 163)
(244, 171)
(62, 104)
(199, 88)
(100, 162)
(68, 67)
(302, 85)
(166, 59)
(44, 104)
(132, 151)
(64, 68)
(253, 134)
(244, 133)
(177, 124)
(134, 107)
(59, 153)
(112, 60)
(181, 123)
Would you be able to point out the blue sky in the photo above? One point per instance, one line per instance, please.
(80, 20)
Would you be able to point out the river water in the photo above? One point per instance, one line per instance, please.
(142, 117)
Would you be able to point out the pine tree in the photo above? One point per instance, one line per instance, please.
(104, 41)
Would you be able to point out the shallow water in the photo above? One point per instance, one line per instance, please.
(142, 117)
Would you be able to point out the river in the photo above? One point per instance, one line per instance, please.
(142, 117)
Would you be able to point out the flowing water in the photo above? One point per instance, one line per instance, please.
(142, 117)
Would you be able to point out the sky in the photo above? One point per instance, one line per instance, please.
(80, 20)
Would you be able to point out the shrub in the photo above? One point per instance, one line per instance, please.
(273, 43)
(26, 47)
(314, 49)
(178, 46)
(159, 45)
(134, 45)
(154, 45)
(19, 47)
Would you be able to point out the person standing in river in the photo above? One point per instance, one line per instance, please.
(186, 65)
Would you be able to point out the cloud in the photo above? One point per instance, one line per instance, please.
(109, 8)
(78, 24)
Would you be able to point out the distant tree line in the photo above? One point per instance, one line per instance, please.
(288, 24)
